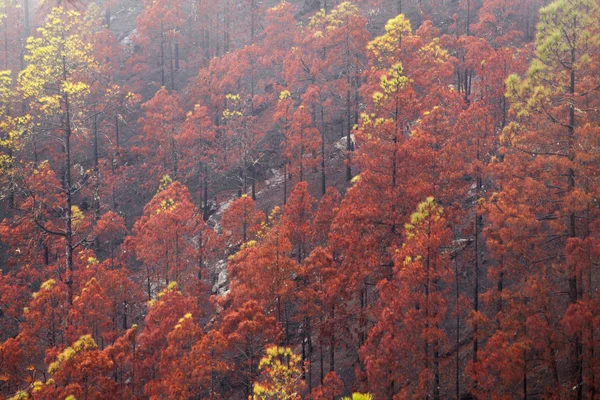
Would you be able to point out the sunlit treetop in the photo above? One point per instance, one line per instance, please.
(386, 45)
(337, 17)
(566, 26)
(58, 61)
(359, 396)
(84, 343)
(427, 210)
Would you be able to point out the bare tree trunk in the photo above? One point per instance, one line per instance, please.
(457, 298)
(206, 209)
(26, 18)
(96, 172)
(285, 179)
(176, 56)
(107, 15)
(332, 344)
(162, 55)
(323, 183)
(574, 292)
(68, 190)
(172, 67)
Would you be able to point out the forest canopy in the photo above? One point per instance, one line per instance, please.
(301, 199)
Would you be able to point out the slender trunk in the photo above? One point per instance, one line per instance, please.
(332, 344)
(285, 179)
(362, 334)
(252, 21)
(323, 183)
(310, 351)
(96, 172)
(6, 63)
(304, 353)
(148, 285)
(253, 182)
(176, 56)
(162, 55)
(26, 18)
(476, 285)
(206, 209)
(117, 132)
(468, 17)
(457, 298)
(301, 158)
(176, 266)
(590, 327)
(133, 361)
(174, 156)
(427, 288)
(217, 43)
(68, 190)
(200, 256)
(524, 377)
(245, 224)
(167, 267)
(124, 326)
(348, 140)
(321, 362)
(279, 315)
(500, 289)
(171, 67)
(436, 374)
(227, 29)
(11, 192)
(349, 147)
(466, 85)
(574, 292)
(287, 320)
(107, 15)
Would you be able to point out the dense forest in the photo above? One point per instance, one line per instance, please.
(302, 199)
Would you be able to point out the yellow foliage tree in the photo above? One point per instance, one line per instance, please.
(359, 396)
(55, 86)
(281, 375)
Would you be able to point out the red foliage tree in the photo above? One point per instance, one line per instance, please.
(163, 237)
(248, 330)
(162, 119)
(241, 221)
(413, 311)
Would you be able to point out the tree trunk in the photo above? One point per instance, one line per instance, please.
(174, 157)
(206, 209)
(162, 56)
(321, 363)
(67, 190)
(96, 172)
(574, 293)
(332, 345)
(176, 57)
(252, 21)
(457, 298)
(116, 135)
(323, 183)
(26, 18)
(285, 179)
(107, 15)
(172, 67)
(200, 256)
